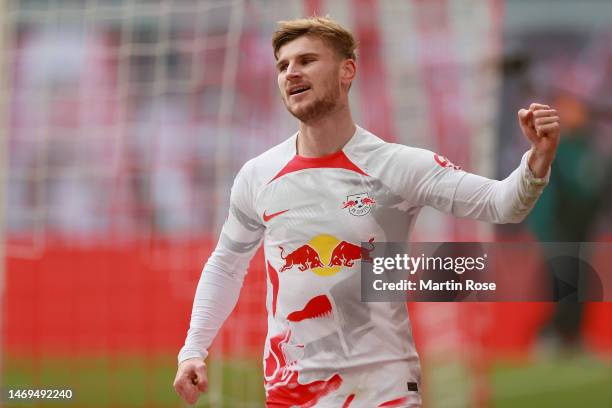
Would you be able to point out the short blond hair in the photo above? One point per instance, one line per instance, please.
(338, 37)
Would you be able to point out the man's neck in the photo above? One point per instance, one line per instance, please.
(327, 135)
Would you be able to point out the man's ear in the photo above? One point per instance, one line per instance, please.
(348, 71)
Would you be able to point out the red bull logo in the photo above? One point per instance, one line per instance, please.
(359, 204)
(368, 201)
(345, 254)
(325, 255)
(318, 306)
(349, 204)
(281, 380)
(305, 257)
(444, 162)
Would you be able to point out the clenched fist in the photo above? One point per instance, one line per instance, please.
(191, 380)
(541, 125)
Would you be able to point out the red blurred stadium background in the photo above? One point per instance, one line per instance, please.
(106, 299)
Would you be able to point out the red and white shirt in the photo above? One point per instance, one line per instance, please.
(325, 347)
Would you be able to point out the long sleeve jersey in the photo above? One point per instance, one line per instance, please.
(312, 214)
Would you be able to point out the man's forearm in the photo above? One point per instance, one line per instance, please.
(215, 298)
(507, 201)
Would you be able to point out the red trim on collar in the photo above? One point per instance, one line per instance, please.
(337, 160)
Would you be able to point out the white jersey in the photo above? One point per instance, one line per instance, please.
(325, 347)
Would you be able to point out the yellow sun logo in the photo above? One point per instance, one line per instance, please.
(324, 244)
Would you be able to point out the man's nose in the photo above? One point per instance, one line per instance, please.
(293, 71)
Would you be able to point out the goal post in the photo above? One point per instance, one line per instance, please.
(4, 167)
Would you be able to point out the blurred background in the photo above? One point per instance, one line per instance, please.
(123, 123)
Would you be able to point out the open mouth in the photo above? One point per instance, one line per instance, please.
(299, 90)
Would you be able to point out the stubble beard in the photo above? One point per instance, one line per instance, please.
(318, 108)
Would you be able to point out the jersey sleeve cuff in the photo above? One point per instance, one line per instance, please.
(529, 176)
(187, 354)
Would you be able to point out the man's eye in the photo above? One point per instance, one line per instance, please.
(282, 68)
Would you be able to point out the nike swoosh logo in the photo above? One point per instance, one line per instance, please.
(269, 217)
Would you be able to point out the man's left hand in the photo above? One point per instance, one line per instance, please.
(540, 124)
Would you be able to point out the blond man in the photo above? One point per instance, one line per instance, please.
(312, 200)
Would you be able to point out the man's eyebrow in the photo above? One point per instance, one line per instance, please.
(306, 54)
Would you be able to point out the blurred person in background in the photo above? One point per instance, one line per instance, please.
(319, 194)
(167, 146)
(578, 190)
(55, 147)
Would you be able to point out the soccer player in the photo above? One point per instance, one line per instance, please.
(313, 199)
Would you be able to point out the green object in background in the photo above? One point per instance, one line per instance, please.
(136, 381)
(573, 381)
(130, 381)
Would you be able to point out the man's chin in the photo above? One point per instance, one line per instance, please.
(303, 113)
(310, 112)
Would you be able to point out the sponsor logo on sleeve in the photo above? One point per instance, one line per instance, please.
(444, 162)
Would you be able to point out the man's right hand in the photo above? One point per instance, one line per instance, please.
(191, 380)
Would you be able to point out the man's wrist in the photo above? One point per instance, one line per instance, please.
(185, 355)
(539, 163)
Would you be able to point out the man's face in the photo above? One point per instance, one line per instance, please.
(309, 78)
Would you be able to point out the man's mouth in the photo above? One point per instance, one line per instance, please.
(298, 90)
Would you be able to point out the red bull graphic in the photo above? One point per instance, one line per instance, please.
(368, 201)
(345, 253)
(305, 257)
(301, 395)
(276, 359)
(319, 306)
(347, 402)
(349, 204)
(325, 255)
(396, 403)
(282, 386)
(273, 276)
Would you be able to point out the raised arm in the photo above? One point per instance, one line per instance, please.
(444, 186)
